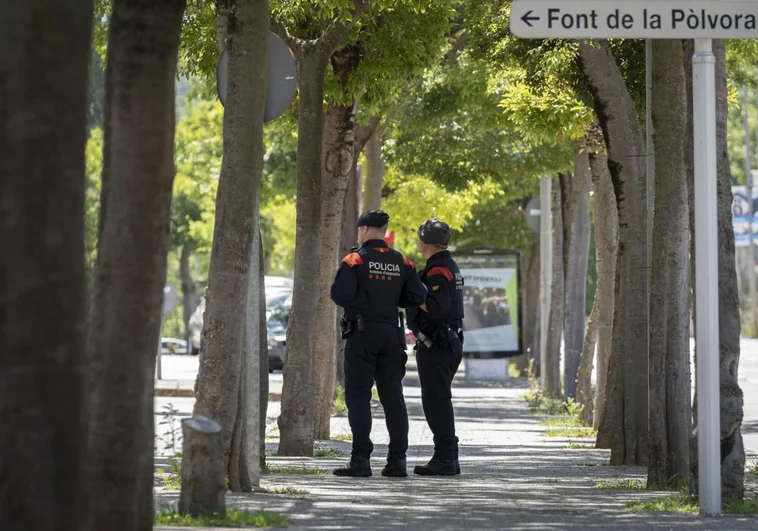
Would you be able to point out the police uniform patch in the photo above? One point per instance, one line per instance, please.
(435, 288)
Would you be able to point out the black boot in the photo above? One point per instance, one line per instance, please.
(359, 467)
(436, 467)
(395, 468)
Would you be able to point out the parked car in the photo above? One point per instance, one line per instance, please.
(172, 345)
(277, 289)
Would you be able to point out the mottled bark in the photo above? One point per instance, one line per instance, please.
(555, 321)
(263, 385)
(624, 423)
(44, 52)
(670, 415)
(731, 399)
(374, 174)
(606, 230)
(131, 271)
(576, 247)
(296, 421)
(584, 375)
(339, 137)
(531, 298)
(228, 348)
(189, 290)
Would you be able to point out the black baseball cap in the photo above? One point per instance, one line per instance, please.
(374, 218)
(434, 231)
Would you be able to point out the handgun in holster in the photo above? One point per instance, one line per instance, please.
(347, 327)
(423, 338)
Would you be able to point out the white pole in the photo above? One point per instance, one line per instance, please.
(546, 269)
(706, 272)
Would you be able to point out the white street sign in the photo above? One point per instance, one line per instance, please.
(630, 19)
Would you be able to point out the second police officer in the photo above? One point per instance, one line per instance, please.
(371, 283)
(439, 348)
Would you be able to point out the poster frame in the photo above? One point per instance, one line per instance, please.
(465, 252)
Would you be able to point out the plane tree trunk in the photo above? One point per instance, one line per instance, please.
(44, 53)
(623, 426)
(131, 270)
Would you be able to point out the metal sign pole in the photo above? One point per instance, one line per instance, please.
(706, 272)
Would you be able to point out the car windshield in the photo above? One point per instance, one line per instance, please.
(277, 302)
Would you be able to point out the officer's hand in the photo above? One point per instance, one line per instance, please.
(423, 306)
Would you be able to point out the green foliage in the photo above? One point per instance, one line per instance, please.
(93, 159)
(233, 518)
(320, 451)
(684, 503)
(343, 437)
(571, 432)
(623, 484)
(294, 471)
(286, 490)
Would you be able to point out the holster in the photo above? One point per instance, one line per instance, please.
(347, 327)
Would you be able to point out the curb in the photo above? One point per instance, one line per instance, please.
(179, 392)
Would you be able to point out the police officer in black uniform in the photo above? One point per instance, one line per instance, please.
(439, 348)
(371, 283)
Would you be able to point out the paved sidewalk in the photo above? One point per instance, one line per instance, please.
(513, 477)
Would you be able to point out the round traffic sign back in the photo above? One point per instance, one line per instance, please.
(282, 77)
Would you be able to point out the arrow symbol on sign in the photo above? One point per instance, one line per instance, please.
(527, 19)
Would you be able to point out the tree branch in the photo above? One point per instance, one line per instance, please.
(337, 30)
(281, 31)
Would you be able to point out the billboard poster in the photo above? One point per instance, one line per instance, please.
(740, 209)
(491, 302)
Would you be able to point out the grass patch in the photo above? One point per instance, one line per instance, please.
(571, 432)
(343, 437)
(576, 446)
(374, 393)
(751, 471)
(294, 470)
(286, 490)
(746, 506)
(688, 503)
(273, 434)
(623, 484)
(339, 407)
(173, 478)
(233, 518)
(679, 503)
(327, 452)
(564, 421)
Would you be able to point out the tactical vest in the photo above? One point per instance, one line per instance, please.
(381, 274)
(442, 263)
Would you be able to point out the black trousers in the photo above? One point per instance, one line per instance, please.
(436, 369)
(376, 355)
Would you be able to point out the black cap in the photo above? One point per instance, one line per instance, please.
(434, 231)
(374, 218)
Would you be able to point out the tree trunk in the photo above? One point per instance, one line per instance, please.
(670, 415)
(339, 138)
(584, 375)
(202, 467)
(531, 298)
(189, 290)
(624, 423)
(555, 321)
(296, 421)
(228, 349)
(606, 230)
(131, 271)
(44, 52)
(372, 187)
(576, 248)
(263, 357)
